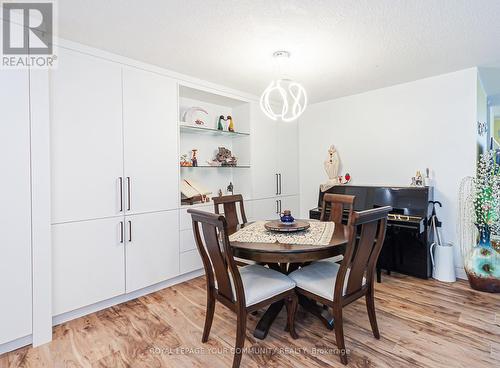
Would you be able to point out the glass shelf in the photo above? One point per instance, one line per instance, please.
(185, 128)
(215, 167)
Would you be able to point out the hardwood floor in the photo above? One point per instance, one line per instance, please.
(422, 324)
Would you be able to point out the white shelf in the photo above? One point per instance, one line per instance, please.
(186, 128)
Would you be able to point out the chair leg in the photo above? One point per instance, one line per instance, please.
(370, 306)
(291, 304)
(240, 338)
(339, 335)
(209, 316)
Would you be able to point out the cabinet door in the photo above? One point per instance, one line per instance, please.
(152, 248)
(264, 151)
(86, 137)
(290, 203)
(288, 160)
(15, 216)
(265, 209)
(88, 260)
(150, 141)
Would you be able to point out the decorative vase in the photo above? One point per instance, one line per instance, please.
(483, 264)
(287, 217)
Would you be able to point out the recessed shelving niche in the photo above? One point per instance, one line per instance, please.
(207, 138)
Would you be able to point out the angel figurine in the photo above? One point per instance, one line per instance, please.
(331, 166)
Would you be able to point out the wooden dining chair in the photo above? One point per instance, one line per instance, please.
(229, 208)
(337, 285)
(333, 208)
(335, 204)
(228, 204)
(241, 289)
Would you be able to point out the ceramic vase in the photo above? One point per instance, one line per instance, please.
(482, 266)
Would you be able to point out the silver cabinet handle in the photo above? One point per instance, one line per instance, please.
(121, 232)
(128, 193)
(280, 182)
(277, 191)
(280, 204)
(120, 179)
(129, 231)
(277, 207)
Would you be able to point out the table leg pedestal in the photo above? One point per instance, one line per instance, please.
(262, 328)
(324, 316)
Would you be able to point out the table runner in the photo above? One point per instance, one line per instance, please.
(320, 233)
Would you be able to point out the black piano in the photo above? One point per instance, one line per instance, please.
(408, 238)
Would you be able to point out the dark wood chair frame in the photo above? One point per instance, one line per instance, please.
(217, 256)
(230, 213)
(361, 259)
(337, 203)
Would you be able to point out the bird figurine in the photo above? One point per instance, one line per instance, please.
(231, 123)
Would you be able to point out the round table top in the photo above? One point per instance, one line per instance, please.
(290, 253)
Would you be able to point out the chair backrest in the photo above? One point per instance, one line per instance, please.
(229, 205)
(217, 255)
(336, 203)
(362, 251)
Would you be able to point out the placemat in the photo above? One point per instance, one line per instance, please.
(320, 233)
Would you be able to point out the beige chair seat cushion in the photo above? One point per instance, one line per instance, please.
(319, 278)
(335, 259)
(261, 283)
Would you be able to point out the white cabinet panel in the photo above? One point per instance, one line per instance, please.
(152, 251)
(264, 151)
(187, 241)
(191, 261)
(290, 203)
(150, 141)
(288, 158)
(265, 209)
(15, 217)
(86, 137)
(88, 260)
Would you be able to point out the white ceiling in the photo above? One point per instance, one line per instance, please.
(338, 47)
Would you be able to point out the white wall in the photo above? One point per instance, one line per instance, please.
(384, 136)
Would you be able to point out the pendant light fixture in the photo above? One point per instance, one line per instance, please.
(283, 99)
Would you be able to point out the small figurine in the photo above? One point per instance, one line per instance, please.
(194, 159)
(220, 193)
(345, 179)
(185, 162)
(419, 181)
(219, 124)
(230, 188)
(231, 124)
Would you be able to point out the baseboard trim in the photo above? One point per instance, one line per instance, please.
(16, 344)
(77, 313)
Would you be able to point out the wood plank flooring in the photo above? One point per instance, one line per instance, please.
(422, 324)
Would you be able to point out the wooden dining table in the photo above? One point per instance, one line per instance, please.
(286, 258)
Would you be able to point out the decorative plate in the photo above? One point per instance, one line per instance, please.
(277, 225)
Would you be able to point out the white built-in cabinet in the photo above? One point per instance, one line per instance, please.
(152, 250)
(15, 199)
(150, 141)
(86, 138)
(88, 263)
(274, 165)
(114, 180)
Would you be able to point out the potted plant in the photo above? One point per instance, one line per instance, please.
(482, 260)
